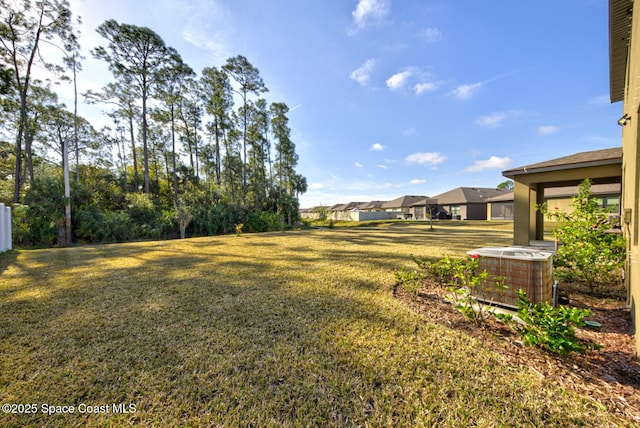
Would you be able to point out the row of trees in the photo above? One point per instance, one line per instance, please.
(179, 139)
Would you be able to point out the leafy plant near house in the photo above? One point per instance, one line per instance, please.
(469, 287)
(589, 252)
(552, 328)
(440, 269)
(411, 281)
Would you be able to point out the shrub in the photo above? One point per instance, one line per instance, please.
(411, 281)
(141, 209)
(441, 270)
(19, 224)
(589, 252)
(264, 221)
(468, 287)
(552, 328)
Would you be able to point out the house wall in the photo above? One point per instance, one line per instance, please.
(468, 211)
(362, 215)
(476, 212)
(630, 203)
(372, 215)
(310, 216)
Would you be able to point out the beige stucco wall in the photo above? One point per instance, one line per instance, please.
(631, 171)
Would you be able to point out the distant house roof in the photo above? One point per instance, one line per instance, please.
(578, 160)
(402, 202)
(351, 206)
(345, 207)
(505, 197)
(469, 195)
(371, 205)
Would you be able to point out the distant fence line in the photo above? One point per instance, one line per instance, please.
(355, 215)
(5, 229)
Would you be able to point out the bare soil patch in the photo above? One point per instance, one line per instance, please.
(610, 376)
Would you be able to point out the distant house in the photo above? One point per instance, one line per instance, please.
(343, 211)
(337, 207)
(402, 206)
(464, 203)
(372, 206)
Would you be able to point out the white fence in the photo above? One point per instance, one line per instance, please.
(5, 228)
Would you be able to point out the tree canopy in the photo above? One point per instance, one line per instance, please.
(180, 158)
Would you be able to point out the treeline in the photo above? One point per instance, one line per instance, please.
(184, 154)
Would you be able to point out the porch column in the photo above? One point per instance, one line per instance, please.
(528, 224)
(538, 231)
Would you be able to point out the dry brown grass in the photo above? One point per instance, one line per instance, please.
(287, 329)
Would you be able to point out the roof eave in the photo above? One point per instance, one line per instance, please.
(525, 170)
(619, 33)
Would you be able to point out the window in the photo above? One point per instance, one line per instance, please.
(609, 203)
(502, 210)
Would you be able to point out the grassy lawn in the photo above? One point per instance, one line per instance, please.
(284, 329)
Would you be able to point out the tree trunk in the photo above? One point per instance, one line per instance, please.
(145, 147)
(218, 161)
(18, 168)
(75, 124)
(136, 181)
(67, 191)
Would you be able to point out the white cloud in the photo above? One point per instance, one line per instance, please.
(357, 165)
(464, 92)
(382, 166)
(367, 11)
(398, 80)
(496, 119)
(494, 162)
(416, 181)
(316, 186)
(430, 34)
(425, 158)
(493, 120)
(209, 26)
(546, 130)
(377, 147)
(423, 87)
(363, 73)
(409, 132)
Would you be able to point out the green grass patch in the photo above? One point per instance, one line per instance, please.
(289, 329)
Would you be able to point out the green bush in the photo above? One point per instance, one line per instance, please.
(588, 251)
(45, 211)
(551, 328)
(19, 225)
(442, 270)
(141, 209)
(411, 281)
(469, 285)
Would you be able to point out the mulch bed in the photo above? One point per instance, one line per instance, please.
(610, 376)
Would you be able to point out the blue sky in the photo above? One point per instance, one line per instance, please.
(392, 97)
